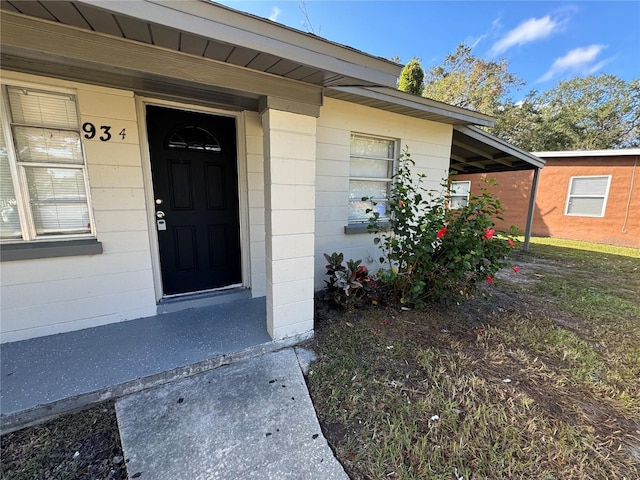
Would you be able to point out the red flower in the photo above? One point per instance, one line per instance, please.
(401, 203)
(489, 279)
(441, 232)
(488, 234)
(516, 269)
(362, 269)
(510, 243)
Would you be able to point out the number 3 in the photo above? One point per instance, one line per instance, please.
(107, 136)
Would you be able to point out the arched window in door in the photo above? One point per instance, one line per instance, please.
(195, 138)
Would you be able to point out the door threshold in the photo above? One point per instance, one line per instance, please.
(176, 303)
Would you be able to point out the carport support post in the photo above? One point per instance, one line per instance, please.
(289, 176)
(532, 206)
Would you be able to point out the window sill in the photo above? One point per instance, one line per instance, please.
(356, 228)
(51, 249)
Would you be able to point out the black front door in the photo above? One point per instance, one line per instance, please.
(195, 184)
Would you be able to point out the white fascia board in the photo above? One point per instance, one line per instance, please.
(500, 144)
(392, 96)
(623, 152)
(209, 20)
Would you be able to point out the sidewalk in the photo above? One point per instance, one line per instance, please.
(250, 420)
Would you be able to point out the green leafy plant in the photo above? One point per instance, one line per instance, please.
(430, 251)
(347, 285)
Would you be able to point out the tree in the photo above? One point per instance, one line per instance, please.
(412, 77)
(467, 81)
(589, 113)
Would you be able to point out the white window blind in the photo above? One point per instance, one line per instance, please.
(49, 173)
(370, 172)
(587, 196)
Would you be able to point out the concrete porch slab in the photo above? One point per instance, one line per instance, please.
(46, 376)
(250, 420)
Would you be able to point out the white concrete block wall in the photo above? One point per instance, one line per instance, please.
(47, 296)
(255, 179)
(429, 144)
(289, 154)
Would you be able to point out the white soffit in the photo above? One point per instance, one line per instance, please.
(210, 30)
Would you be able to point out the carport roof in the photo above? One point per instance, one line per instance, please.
(475, 151)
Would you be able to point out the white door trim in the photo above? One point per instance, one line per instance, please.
(243, 207)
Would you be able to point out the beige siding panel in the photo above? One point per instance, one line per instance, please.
(337, 168)
(119, 242)
(55, 269)
(54, 328)
(328, 183)
(118, 154)
(117, 198)
(115, 104)
(105, 176)
(121, 220)
(256, 198)
(429, 144)
(332, 199)
(16, 296)
(255, 180)
(78, 310)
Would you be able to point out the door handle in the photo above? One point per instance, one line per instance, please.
(160, 214)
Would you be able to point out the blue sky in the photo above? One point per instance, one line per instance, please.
(544, 41)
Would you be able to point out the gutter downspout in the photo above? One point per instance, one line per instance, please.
(532, 204)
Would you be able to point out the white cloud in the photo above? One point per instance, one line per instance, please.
(473, 42)
(579, 60)
(275, 12)
(528, 31)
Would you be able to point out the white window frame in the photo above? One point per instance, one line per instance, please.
(466, 196)
(18, 173)
(604, 197)
(388, 180)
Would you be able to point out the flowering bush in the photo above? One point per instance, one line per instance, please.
(347, 284)
(432, 252)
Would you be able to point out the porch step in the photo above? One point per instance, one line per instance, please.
(48, 376)
(250, 420)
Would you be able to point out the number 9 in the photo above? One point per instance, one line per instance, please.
(89, 129)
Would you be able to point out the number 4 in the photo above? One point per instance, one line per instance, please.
(123, 133)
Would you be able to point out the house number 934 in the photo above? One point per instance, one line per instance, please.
(103, 132)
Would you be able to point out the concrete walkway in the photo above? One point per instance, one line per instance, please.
(250, 420)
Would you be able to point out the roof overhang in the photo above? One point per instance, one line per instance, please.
(392, 100)
(205, 29)
(475, 151)
(622, 152)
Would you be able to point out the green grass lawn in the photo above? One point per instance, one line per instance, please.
(538, 377)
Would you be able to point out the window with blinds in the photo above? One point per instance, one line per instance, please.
(459, 194)
(43, 182)
(370, 172)
(587, 196)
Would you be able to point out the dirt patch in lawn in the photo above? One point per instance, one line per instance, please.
(79, 446)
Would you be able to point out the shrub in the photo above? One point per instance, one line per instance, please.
(431, 252)
(347, 285)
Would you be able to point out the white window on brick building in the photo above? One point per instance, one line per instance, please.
(43, 176)
(587, 196)
(459, 194)
(370, 175)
